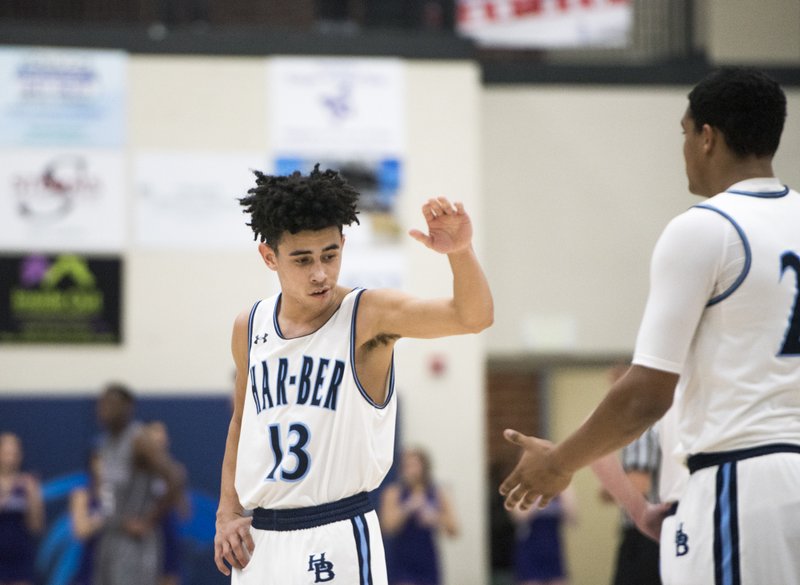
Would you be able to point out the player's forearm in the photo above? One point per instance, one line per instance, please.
(229, 504)
(632, 405)
(472, 296)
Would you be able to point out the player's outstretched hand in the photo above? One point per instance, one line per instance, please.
(534, 481)
(233, 543)
(449, 226)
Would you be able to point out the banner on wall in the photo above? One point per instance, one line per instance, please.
(189, 199)
(62, 200)
(62, 97)
(546, 24)
(348, 115)
(61, 299)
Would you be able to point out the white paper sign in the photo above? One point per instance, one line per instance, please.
(62, 200)
(189, 199)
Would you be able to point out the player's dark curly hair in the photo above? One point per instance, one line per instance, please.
(296, 202)
(745, 104)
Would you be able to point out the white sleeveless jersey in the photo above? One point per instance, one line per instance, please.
(740, 386)
(310, 433)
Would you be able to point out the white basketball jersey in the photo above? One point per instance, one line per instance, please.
(310, 433)
(741, 384)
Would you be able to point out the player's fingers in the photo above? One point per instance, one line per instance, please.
(509, 483)
(514, 497)
(218, 560)
(542, 501)
(459, 208)
(428, 212)
(437, 207)
(240, 553)
(247, 540)
(445, 204)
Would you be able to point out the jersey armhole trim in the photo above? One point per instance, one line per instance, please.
(390, 390)
(250, 332)
(748, 256)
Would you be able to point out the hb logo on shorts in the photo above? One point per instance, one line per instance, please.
(681, 542)
(323, 569)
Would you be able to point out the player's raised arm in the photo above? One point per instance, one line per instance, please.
(469, 310)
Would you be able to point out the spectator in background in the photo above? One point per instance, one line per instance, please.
(539, 552)
(88, 519)
(413, 510)
(171, 560)
(132, 465)
(21, 515)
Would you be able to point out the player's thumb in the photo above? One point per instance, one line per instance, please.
(421, 237)
(514, 437)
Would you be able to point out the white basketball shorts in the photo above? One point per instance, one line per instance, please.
(738, 522)
(338, 543)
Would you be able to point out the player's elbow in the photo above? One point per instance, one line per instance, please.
(478, 321)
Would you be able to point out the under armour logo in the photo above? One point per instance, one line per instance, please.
(323, 570)
(681, 542)
(261, 338)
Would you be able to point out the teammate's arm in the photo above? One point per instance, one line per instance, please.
(683, 273)
(470, 309)
(233, 543)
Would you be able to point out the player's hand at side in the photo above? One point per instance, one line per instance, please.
(534, 481)
(449, 226)
(233, 543)
(650, 520)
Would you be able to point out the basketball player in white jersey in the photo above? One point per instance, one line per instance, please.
(314, 413)
(723, 318)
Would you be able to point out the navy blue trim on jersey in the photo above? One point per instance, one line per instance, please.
(748, 257)
(303, 518)
(703, 460)
(353, 361)
(762, 194)
(363, 550)
(250, 332)
(726, 528)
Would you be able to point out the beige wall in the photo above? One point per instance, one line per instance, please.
(578, 184)
(763, 32)
(591, 543)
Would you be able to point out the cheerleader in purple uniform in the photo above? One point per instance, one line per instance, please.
(21, 515)
(412, 512)
(538, 555)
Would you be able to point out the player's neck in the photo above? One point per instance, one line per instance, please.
(297, 319)
(741, 169)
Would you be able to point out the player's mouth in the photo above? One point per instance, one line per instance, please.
(320, 293)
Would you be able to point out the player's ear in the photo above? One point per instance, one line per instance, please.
(710, 137)
(268, 255)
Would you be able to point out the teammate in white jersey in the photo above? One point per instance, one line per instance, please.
(314, 412)
(722, 323)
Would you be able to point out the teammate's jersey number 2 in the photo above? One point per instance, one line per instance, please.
(291, 458)
(791, 342)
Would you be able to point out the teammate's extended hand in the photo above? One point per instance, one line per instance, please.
(449, 226)
(233, 544)
(534, 481)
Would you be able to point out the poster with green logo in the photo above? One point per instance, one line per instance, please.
(60, 298)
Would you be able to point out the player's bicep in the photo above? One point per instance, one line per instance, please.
(396, 313)
(684, 269)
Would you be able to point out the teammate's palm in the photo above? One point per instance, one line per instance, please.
(449, 226)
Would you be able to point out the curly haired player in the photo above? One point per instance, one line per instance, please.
(314, 413)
